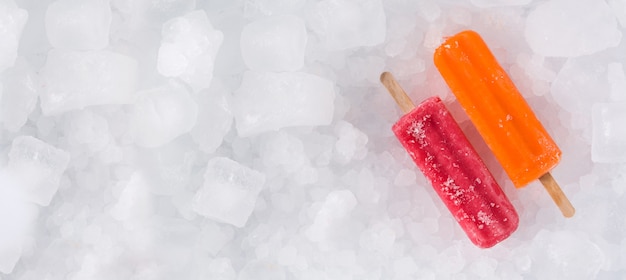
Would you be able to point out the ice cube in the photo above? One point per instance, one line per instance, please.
(169, 169)
(366, 68)
(229, 61)
(429, 10)
(153, 11)
(283, 202)
(89, 129)
(565, 254)
(229, 192)
(379, 237)
(12, 21)
(336, 208)
(261, 269)
(270, 101)
(189, 45)
(283, 150)
(274, 44)
(16, 217)
(484, 267)
(538, 74)
(134, 203)
(450, 261)
(20, 88)
(271, 7)
(214, 237)
(287, 255)
(344, 24)
(555, 28)
(78, 24)
(433, 37)
(581, 82)
(161, 115)
(617, 80)
(10, 253)
(215, 119)
(221, 269)
(619, 8)
(76, 79)
(405, 267)
(351, 142)
(609, 132)
(405, 177)
(37, 167)
(498, 3)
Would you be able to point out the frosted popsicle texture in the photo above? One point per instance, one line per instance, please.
(442, 152)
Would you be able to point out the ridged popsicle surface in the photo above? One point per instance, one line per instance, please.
(495, 106)
(439, 148)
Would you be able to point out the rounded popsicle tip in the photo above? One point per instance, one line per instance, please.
(570, 213)
(468, 33)
(557, 195)
(450, 43)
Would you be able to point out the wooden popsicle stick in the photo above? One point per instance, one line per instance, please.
(557, 195)
(396, 91)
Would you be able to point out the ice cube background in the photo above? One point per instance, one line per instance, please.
(188, 48)
(251, 139)
(274, 44)
(78, 24)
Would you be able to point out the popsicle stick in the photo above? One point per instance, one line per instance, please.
(396, 91)
(557, 195)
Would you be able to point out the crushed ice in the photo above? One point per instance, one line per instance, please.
(250, 139)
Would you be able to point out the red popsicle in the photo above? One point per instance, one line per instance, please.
(442, 152)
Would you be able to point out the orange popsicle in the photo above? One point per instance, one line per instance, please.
(501, 115)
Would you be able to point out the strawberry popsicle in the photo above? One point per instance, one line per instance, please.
(500, 113)
(437, 145)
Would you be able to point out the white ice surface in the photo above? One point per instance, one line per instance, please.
(499, 3)
(251, 139)
(188, 48)
(229, 192)
(267, 101)
(162, 114)
(20, 90)
(12, 21)
(609, 132)
(274, 44)
(76, 79)
(37, 168)
(215, 118)
(78, 24)
(17, 215)
(343, 24)
(558, 28)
